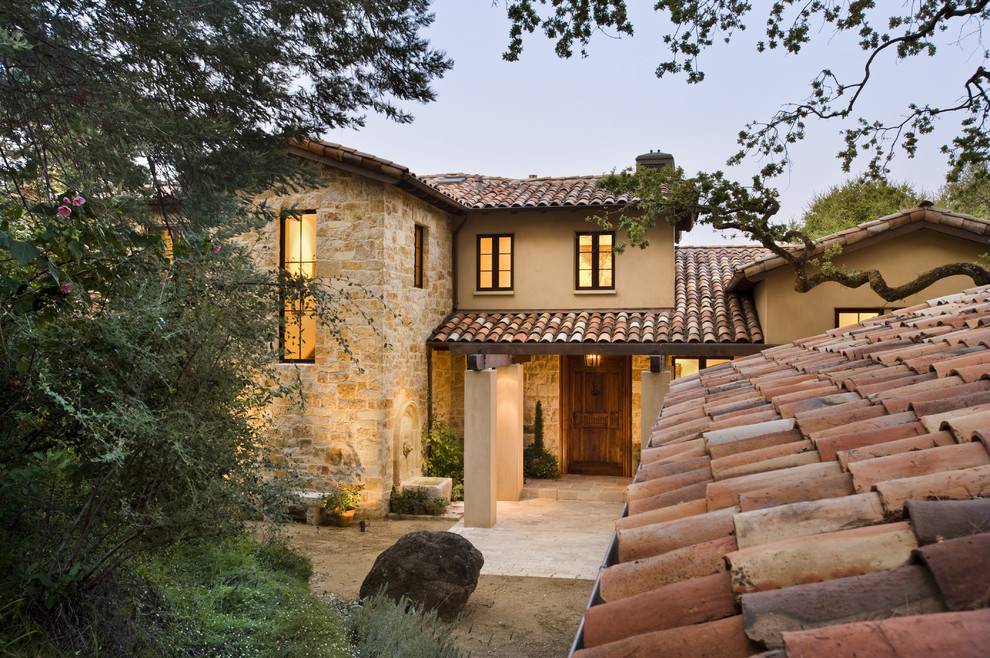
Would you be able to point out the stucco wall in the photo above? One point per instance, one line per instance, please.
(360, 415)
(787, 315)
(544, 265)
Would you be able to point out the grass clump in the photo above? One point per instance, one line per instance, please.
(380, 626)
(241, 598)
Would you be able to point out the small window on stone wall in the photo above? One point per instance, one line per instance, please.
(297, 258)
(419, 240)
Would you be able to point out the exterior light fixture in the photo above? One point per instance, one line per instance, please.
(592, 360)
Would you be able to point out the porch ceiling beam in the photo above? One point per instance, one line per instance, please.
(649, 349)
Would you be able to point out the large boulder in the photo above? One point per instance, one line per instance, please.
(434, 570)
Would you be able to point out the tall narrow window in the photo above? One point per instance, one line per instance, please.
(419, 240)
(847, 316)
(495, 262)
(595, 261)
(298, 258)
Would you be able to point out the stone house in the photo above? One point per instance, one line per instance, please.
(498, 293)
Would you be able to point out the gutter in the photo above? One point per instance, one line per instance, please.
(611, 559)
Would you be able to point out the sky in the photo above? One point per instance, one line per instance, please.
(587, 116)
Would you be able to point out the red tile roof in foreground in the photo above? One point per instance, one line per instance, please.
(703, 313)
(966, 226)
(829, 497)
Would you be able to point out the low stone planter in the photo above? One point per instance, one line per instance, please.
(431, 488)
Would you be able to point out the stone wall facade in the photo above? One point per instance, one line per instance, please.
(541, 381)
(364, 412)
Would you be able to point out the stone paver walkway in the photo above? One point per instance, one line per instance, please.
(545, 538)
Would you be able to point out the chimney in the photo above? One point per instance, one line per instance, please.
(655, 160)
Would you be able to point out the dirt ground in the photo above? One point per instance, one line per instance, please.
(505, 616)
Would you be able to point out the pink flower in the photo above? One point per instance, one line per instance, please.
(66, 287)
(78, 201)
(216, 249)
(65, 211)
(65, 200)
(85, 247)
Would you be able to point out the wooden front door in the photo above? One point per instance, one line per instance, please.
(596, 414)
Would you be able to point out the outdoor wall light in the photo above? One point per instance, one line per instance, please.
(592, 360)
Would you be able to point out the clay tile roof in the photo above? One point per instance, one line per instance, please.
(704, 312)
(937, 219)
(823, 519)
(487, 192)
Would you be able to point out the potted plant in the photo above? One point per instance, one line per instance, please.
(341, 501)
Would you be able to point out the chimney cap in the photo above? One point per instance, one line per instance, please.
(655, 159)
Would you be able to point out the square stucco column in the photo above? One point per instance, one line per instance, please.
(653, 387)
(480, 419)
(509, 441)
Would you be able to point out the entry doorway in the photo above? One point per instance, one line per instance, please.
(596, 414)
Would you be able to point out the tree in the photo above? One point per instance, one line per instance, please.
(138, 375)
(717, 200)
(856, 201)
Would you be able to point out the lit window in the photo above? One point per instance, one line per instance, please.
(595, 261)
(684, 366)
(494, 262)
(418, 239)
(298, 258)
(847, 316)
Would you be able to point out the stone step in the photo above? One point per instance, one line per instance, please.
(615, 493)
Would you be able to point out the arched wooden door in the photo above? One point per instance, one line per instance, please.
(596, 415)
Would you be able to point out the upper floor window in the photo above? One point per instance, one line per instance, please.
(297, 256)
(847, 316)
(595, 261)
(419, 239)
(683, 366)
(495, 262)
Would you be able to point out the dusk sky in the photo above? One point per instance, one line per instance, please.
(552, 117)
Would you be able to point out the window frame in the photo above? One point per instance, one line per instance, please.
(419, 256)
(595, 256)
(284, 312)
(496, 262)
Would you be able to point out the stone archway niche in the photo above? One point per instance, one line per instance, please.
(407, 446)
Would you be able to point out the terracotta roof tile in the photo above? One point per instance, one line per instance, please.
(957, 634)
(909, 435)
(821, 557)
(922, 462)
(897, 446)
(906, 590)
(703, 312)
(688, 602)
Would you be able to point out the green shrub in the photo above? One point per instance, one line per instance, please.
(443, 451)
(537, 461)
(457, 491)
(382, 627)
(412, 501)
(342, 498)
(544, 467)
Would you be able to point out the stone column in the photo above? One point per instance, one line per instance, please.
(509, 442)
(654, 386)
(480, 416)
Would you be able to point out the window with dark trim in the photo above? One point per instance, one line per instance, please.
(419, 238)
(495, 262)
(297, 258)
(847, 316)
(595, 261)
